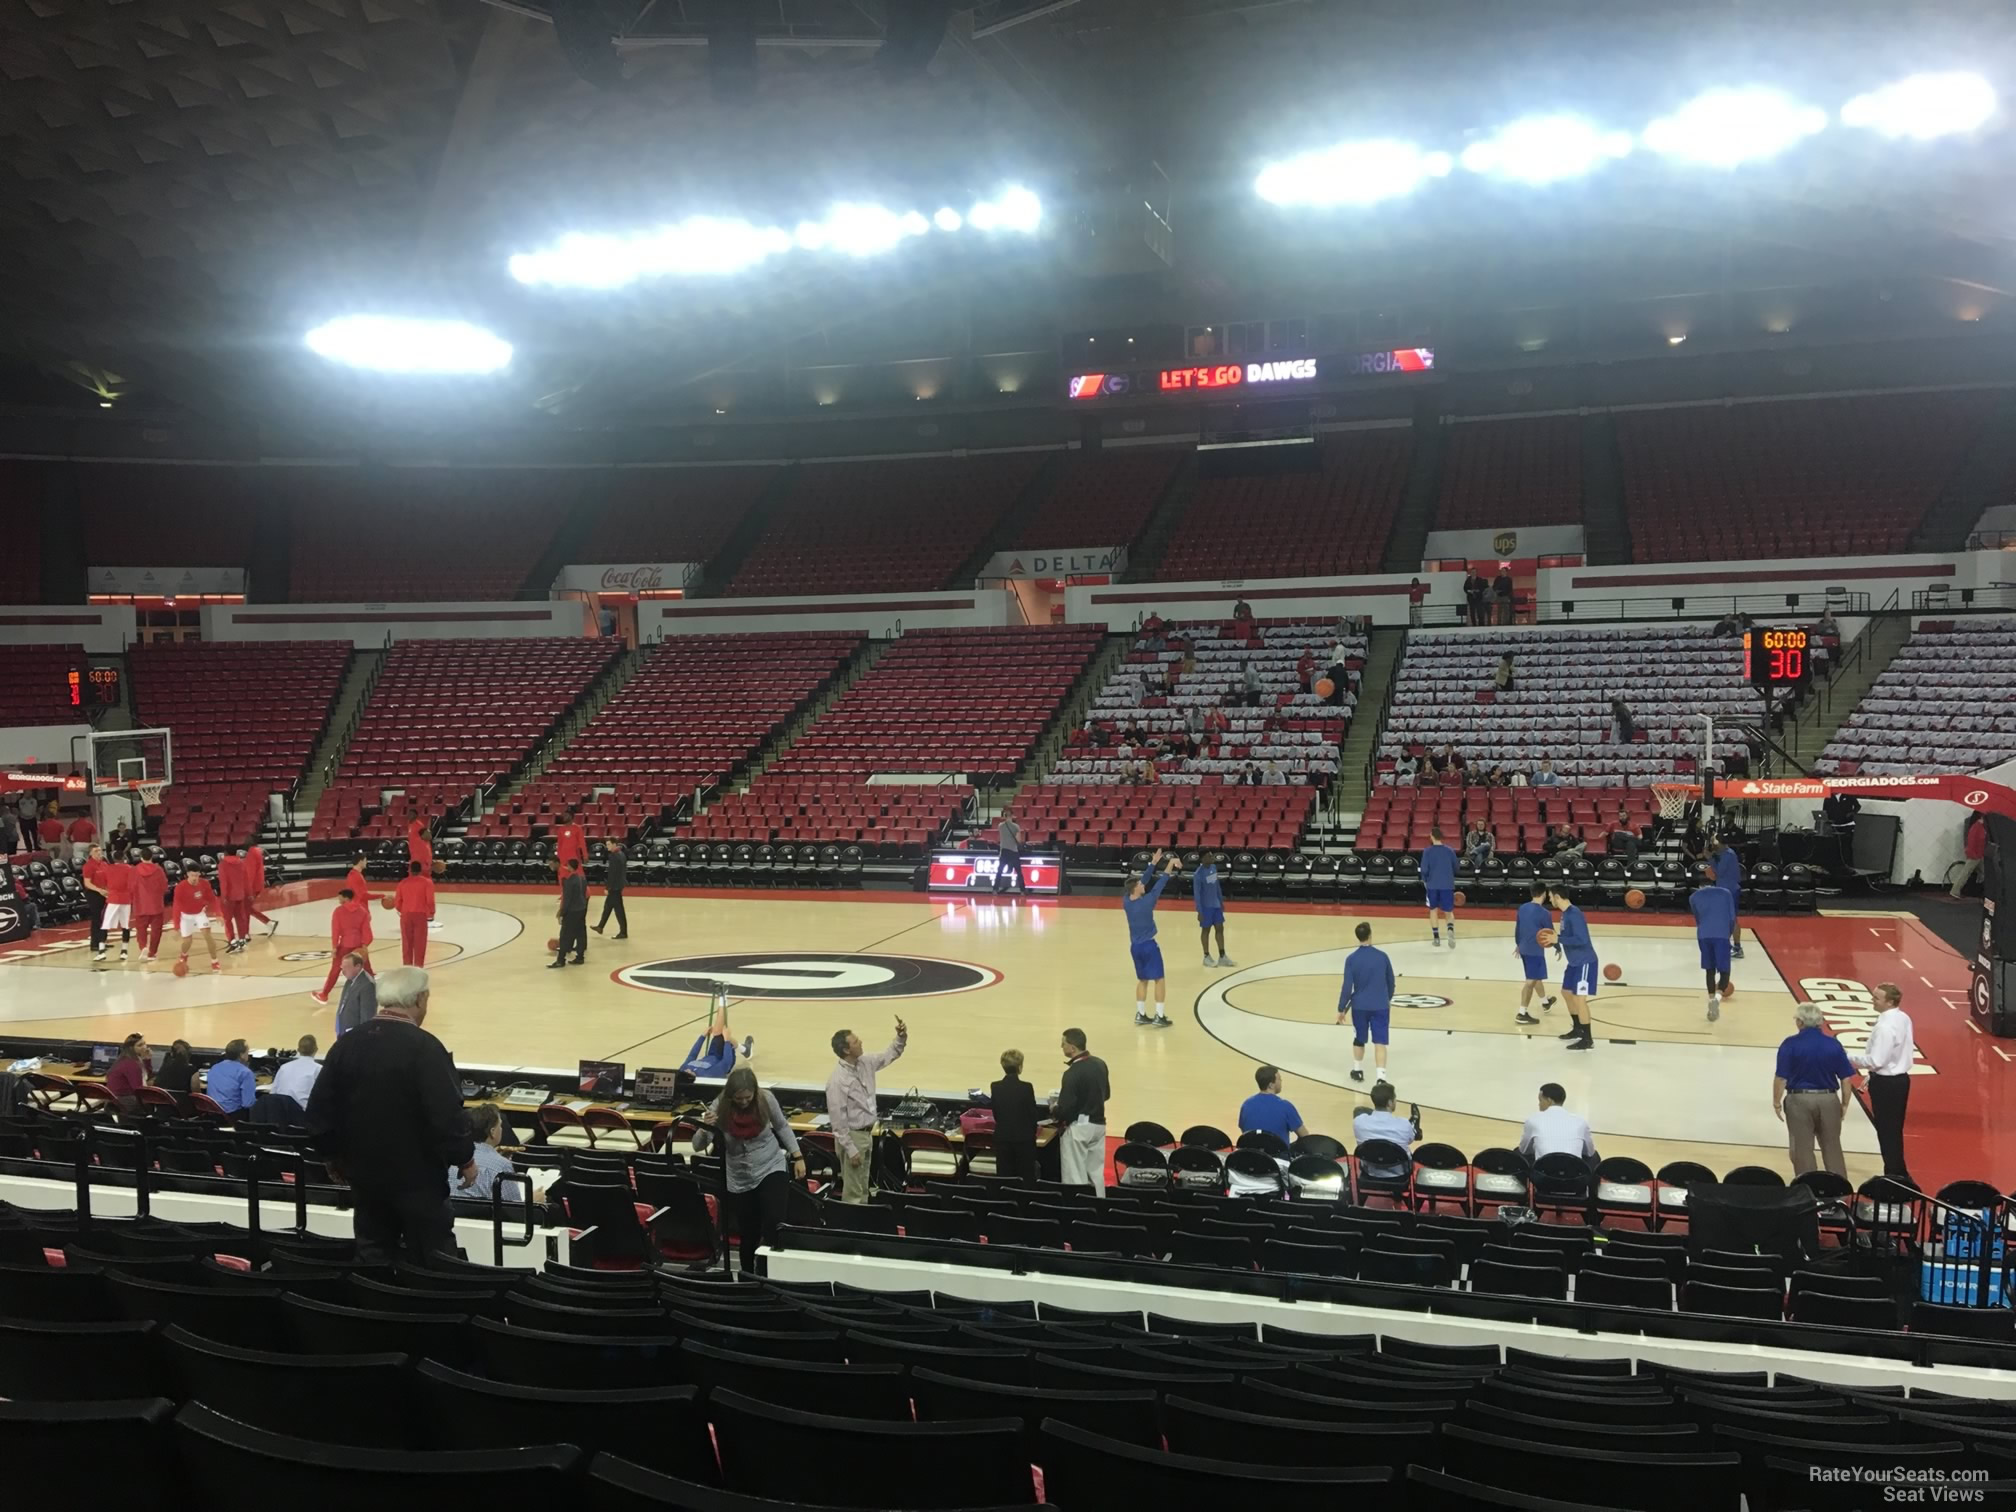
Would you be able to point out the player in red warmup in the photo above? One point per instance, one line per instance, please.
(235, 888)
(354, 880)
(195, 902)
(150, 892)
(81, 833)
(569, 844)
(255, 874)
(414, 898)
(118, 879)
(420, 847)
(349, 929)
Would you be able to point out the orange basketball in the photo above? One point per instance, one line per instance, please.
(1546, 937)
(553, 945)
(1634, 899)
(181, 966)
(1613, 973)
(1461, 901)
(1324, 688)
(1728, 990)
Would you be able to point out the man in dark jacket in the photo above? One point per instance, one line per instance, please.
(573, 912)
(387, 1116)
(359, 1002)
(612, 892)
(1081, 1115)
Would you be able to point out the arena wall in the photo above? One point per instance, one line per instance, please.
(876, 614)
(102, 629)
(368, 625)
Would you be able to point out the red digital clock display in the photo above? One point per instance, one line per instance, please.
(1778, 658)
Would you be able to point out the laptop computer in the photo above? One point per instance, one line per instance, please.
(102, 1057)
(601, 1078)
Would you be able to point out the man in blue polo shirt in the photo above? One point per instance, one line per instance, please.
(1729, 877)
(1267, 1111)
(1578, 980)
(1714, 910)
(231, 1083)
(1438, 881)
(1368, 999)
(1811, 1091)
(1533, 917)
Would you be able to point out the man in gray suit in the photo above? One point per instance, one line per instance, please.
(359, 1002)
(573, 912)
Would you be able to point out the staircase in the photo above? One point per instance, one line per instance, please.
(720, 569)
(1408, 541)
(1375, 693)
(1071, 713)
(358, 680)
(1863, 661)
(574, 527)
(1018, 514)
(1981, 480)
(766, 756)
(1144, 557)
(573, 722)
(1606, 535)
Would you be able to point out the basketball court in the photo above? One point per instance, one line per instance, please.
(974, 977)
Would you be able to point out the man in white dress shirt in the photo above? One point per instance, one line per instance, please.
(1888, 1062)
(1556, 1131)
(296, 1078)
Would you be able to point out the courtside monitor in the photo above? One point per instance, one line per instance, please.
(656, 1084)
(601, 1078)
(102, 1057)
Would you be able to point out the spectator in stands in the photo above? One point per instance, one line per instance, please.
(1131, 736)
(230, 1083)
(1622, 726)
(850, 1106)
(1150, 774)
(1406, 769)
(1193, 721)
(296, 1078)
(1478, 846)
(1153, 624)
(1268, 1112)
(1305, 672)
(615, 870)
(1080, 1111)
(1501, 593)
(1249, 684)
(1555, 1131)
(486, 1132)
(1217, 724)
(758, 1147)
(1446, 761)
(1014, 1103)
(178, 1069)
(1811, 1091)
(1381, 1122)
(1338, 671)
(1242, 612)
(359, 1003)
(1516, 779)
(387, 1116)
(1417, 595)
(1474, 590)
(1624, 839)
(1505, 677)
(572, 913)
(1275, 776)
(129, 1072)
(1545, 775)
(1564, 842)
(1249, 775)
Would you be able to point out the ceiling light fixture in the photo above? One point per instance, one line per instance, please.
(397, 344)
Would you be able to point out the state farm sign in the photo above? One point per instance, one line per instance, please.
(627, 577)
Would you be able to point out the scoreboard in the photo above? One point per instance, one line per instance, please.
(1287, 374)
(1778, 658)
(975, 871)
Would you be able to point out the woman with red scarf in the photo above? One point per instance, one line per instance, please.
(756, 1138)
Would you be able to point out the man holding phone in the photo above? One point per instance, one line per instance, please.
(850, 1106)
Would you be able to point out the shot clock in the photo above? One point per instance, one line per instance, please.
(1778, 658)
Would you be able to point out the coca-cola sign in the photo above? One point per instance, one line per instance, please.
(627, 577)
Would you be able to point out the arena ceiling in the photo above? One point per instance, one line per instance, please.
(188, 184)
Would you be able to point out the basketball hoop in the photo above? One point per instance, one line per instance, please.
(1674, 797)
(149, 793)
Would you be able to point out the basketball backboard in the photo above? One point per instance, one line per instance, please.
(127, 770)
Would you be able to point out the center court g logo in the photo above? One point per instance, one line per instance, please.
(809, 976)
(1419, 1000)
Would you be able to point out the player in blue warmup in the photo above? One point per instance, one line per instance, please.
(1368, 999)
(1438, 880)
(1533, 917)
(1209, 895)
(1714, 921)
(1140, 902)
(1729, 877)
(1578, 981)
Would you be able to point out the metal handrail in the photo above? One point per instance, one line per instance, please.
(499, 1241)
(300, 1164)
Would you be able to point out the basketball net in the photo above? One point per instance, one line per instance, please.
(1674, 797)
(149, 793)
